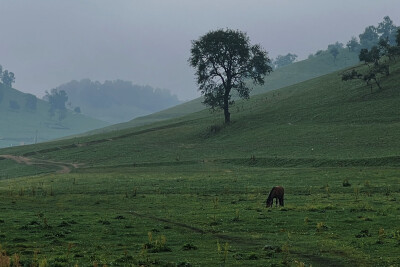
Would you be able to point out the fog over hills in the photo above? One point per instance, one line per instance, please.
(47, 43)
(116, 101)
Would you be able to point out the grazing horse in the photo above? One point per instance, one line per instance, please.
(276, 192)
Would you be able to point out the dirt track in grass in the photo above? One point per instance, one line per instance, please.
(63, 167)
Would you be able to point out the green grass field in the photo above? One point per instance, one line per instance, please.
(107, 215)
(191, 191)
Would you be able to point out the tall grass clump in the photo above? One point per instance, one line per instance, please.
(356, 192)
(327, 191)
(285, 252)
(381, 236)
(321, 226)
(215, 202)
(223, 251)
(237, 216)
(156, 245)
(4, 259)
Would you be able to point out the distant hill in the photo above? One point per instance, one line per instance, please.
(316, 65)
(24, 119)
(116, 101)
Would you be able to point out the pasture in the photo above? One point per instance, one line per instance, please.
(191, 191)
(203, 214)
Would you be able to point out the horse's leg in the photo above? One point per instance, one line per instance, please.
(281, 201)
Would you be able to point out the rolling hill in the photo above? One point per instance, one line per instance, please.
(190, 191)
(323, 119)
(24, 119)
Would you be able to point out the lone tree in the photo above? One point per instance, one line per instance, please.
(224, 60)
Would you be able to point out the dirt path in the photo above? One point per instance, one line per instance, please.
(316, 260)
(229, 238)
(63, 166)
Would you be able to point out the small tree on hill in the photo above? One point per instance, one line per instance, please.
(375, 71)
(374, 75)
(371, 56)
(334, 52)
(224, 61)
(8, 78)
(282, 61)
(334, 49)
(57, 100)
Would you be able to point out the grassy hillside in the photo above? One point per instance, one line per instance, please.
(312, 67)
(21, 124)
(322, 118)
(191, 191)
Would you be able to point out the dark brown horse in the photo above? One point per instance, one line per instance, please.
(278, 193)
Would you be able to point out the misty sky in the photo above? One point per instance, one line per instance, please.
(50, 42)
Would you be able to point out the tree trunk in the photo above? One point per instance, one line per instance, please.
(227, 115)
(377, 83)
(226, 106)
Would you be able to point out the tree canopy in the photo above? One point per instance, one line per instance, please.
(387, 30)
(334, 52)
(353, 44)
(7, 78)
(224, 61)
(282, 61)
(369, 37)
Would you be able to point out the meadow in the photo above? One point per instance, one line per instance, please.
(203, 214)
(191, 191)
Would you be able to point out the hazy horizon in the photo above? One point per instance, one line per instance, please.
(50, 42)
